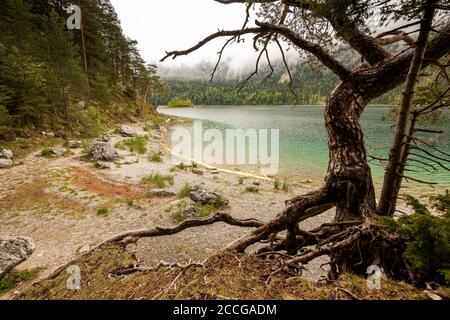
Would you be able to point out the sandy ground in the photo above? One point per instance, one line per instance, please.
(55, 202)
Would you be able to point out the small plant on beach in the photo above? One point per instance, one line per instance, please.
(277, 183)
(204, 210)
(155, 157)
(103, 212)
(137, 144)
(194, 164)
(241, 180)
(286, 186)
(120, 145)
(46, 152)
(251, 189)
(185, 191)
(86, 146)
(221, 202)
(130, 202)
(157, 179)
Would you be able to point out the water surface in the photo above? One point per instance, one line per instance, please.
(303, 138)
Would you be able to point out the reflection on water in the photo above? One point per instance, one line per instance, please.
(303, 138)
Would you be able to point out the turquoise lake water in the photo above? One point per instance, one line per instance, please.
(303, 138)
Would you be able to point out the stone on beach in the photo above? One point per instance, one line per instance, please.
(127, 131)
(5, 163)
(103, 151)
(14, 251)
(6, 154)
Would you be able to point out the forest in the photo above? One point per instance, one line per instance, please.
(310, 85)
(52, 77)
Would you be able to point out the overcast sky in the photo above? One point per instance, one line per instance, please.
(161, 26)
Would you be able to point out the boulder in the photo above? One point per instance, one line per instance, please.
(162, 193)
(197, 171)
(103, 151)
(14, 251)
(74, 144)
(127, 131)
(205, 197)
(6, 154)
(5, 163)
(103, 165)
(59, 152)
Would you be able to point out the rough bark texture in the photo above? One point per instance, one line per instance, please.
(392, 177)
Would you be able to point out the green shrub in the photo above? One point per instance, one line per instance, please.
(286, 186)
(251, 189)
(155, 157)
(158, 180)
(185, 191)
(137, 144)
(120, 145)
(277, 183)
(86, 146)
(241, 180)
(103, 211)
(47, 152)
(91, 120)
(180, 103)
(427, 238)
(130, 202)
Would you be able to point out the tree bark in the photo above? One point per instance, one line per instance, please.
(391, 182)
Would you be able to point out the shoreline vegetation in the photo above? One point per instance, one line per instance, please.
(180, 103)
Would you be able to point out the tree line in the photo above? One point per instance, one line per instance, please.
(310, 86)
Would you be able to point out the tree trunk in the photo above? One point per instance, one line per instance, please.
(349, 176)
(83, 45)
(389, 192)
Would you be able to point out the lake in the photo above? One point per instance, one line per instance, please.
(303, 138)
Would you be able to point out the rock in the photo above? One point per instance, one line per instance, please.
(104, 138)
(215, 172)
(127, 131)
(5, 163)
(256, 183)
(77, 133)
(162, 193)
(103, 151)
(309, 181)
(14, 251)
(59, 152)
(6, 154)
(50, 134)
(74, 144)
(205, 197)
(103, 165)
(84, 249)
(197, 171)
(189, 211)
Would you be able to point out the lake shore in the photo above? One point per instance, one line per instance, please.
(58, 203)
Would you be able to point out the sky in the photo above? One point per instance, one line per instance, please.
(161, 26)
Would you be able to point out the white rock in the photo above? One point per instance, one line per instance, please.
(5, 163)
(14, 251)
(57, 151)
(127, 131)
(6, 153)
(74, 144)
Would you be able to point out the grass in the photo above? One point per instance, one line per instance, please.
(130, 202)
(251, 190)
(86, 146)
(185, 191)
(286, 186)
(179, 167)
(221, 202)
(158, 180)
(241, 180)
(155, 157)
(14, 278)
(277, 183)
(103, 212)
(46, 152)
(223, 276)
(137, 144)
(120, 145)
